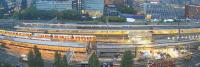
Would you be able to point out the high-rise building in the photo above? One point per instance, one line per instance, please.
(7, 7)
(107, 2)
(95, 8)
(112, 10)
(173, 1)
(160, 11)
(59, 5)
(180, 1)
(4, 4)
(192, 11)
(78, 5)
(24, 4)
(196, 2)
(128, 3)
(124, 2)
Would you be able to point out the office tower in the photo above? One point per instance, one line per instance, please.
(95, 8)
(59, 5)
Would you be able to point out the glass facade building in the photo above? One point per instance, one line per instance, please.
(54, 5)
(160, 11)
(94, 8)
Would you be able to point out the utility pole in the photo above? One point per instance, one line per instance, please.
(56, 11)
(179, 31)
(178, 25)
(107, 20)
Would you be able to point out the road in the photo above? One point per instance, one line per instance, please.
(103, 26)
(5, 57)
(14, 60)
(194, 62)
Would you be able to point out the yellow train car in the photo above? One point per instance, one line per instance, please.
(57, 37)
(2, 32)
(45, 47)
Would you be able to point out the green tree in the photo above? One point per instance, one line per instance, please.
(161, 20)
(70, 15)
(31, 56)
(2, 46)
(35, 58)
(65, 62)
(127, 10)
(33, 3)
(113, 19)
(16, 15)
(32, 14)
(3, 64)
(57, 59)
(24, 4)
(39, 62)
(127, 59)
(28, 13)
(93, 61)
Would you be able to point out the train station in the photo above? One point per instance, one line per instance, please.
(107, 41)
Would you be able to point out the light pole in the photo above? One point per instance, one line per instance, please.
(178, 25)
(56, 11)
(179, 31)
(107, 20)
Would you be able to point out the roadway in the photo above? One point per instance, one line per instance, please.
(13, 59)
(9, 58)
(194, 62)
(103, 26)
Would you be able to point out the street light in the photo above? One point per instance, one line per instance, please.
(196, 36)
(168, 38)
(182, 37)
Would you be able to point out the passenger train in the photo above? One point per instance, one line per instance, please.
(57, 37)
(61, 41)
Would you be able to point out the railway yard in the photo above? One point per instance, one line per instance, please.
(81, 39)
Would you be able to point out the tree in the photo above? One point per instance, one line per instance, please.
(2, 46)
(35, 58)
(127, 10)
(93, 61)
(28, 13)
(16, 15)
(70, 15)
(31, 57)
(33, 2)
(23, 4)
(57, 59)
(4, 9)
(65, 62)
(113, 19)
(127, 59)
(3, 64)
(32, 13)
(39, 62)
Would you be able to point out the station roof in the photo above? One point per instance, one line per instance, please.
(113, 27)
(50, 43)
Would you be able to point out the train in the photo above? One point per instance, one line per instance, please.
(49, 37)
(55, 37)
(9, 44)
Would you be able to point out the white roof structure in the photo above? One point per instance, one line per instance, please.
(50, 43)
